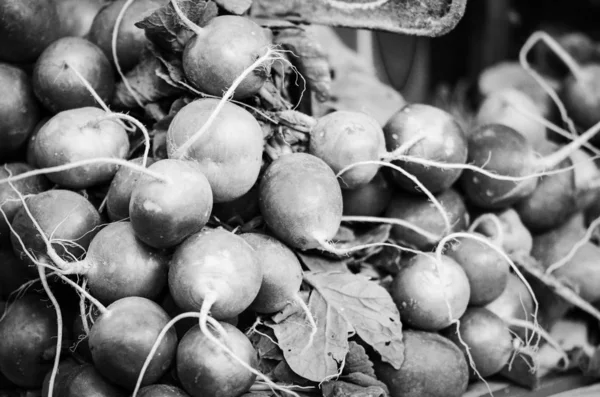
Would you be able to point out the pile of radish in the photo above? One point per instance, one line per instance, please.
(209, 237)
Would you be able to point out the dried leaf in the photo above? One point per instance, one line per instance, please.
(164, 28)
(237, 7)
(367, 307)
(357, 360)
(329, 347)
(344, 389)
(317, 263)
(310, 59)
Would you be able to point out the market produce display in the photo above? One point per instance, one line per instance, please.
(185, 211)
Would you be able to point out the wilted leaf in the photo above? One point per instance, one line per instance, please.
(164, 28)
(329, 347)
(367, 307)
(309, 57)
(317, 263)
(237, 7)
(357, 360)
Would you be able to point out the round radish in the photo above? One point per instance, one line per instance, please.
(164, 214)
(118, 265)
(419, 211)
(30, 153)
(57, 85)
(76, 16)
(28, 341)
(342, 138)
(221, 51)
(488, 338)
(66, 218)
(121, 189)
(161, 391)
(434, 135)
(27, 27)
(426, 291)
(9, 199)
(64, 369)
(205, 370)
(281, 270)
(12, 272)
(433, 366)
(485, 268)
(131, 40)
(80, 134)
(215, 263)
(86, 381)
(122, 337)
(301, 201)
(511, 107)
(229, 152)
(19, 111)
(369, 200)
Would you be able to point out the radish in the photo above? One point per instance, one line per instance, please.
(30, 155)
(76, 16)
(487, 337)
(27, 27)
(228, 151)
(205, 370)
(67, 219)
(19, 111)
(12, 273)
(215, 270)
(58, 88)
(164, 214)
(301, 200)
(118, 265)
(341, 138)
(433, 366)
(86, 381)
(417, 210)
(28, 341)
(9, 200)
(64, 369)
(121, 189)
(511, 108)
(122, 337)
(130, 39)
(84, 133)
(425, 292)
(369, 200)
(161, 391)
(486, 270)
(221, 51)
(431, 133)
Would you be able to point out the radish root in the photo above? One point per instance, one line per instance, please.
(514, 322)
(392, 221)
(586, 238)
(498, 237)
(311, 320)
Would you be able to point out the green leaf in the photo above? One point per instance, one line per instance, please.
(367, 307)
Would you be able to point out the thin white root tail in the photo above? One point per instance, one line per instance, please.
(313, 325)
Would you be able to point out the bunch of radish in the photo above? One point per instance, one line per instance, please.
(157, 266)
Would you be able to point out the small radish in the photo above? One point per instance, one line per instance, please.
(19, 111)
(368, 200)
(425, 292)
(65, 367)
(511, 107)
(164, 214)
(485, 268)
(215, 269)
(30, 155)
(121, 188)
(488, 338)
(76, 16)
(28, 341)
(221, 51)
(162, 391)
(342, 138)
(27, 27)
(9, 199)
(55, 84)
(281, 270)
(78, 134)
(228, 151)
(434, 135)
(205, 370)
(122, 337)
(130, 39)
(301, 200)
(67, 219)
(86, 381)
(418, 210)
